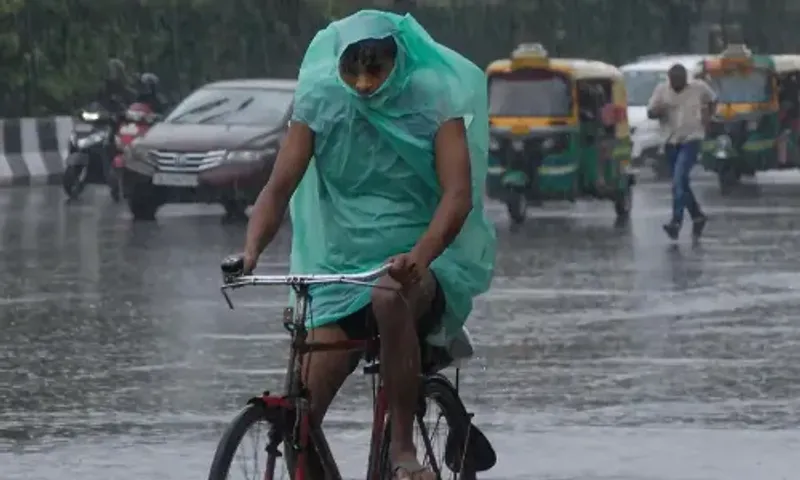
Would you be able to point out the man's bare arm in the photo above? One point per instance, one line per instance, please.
(455, 177)
(270, 208)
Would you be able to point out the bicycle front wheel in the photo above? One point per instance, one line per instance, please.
(252, 447)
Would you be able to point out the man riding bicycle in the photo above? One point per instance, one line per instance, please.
(385, 159)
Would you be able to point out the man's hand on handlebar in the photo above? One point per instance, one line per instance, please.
(249, 262)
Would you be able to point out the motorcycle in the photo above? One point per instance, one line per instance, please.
(138, 119)
(90, 149)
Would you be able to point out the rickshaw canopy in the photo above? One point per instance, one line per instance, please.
(577, 69)
(736, 58)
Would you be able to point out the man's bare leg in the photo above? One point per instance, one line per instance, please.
(323, 375)
(396, 314)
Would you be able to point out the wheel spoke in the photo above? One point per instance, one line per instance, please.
(244, 443)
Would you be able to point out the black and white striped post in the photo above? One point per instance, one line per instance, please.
(32, 150)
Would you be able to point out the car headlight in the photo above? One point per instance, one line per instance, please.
(90, 140)
(244, 156)
(90, 116)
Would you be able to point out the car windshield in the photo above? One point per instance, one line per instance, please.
(746, 87)
(640, 85)
(233, 106)
(530, 93)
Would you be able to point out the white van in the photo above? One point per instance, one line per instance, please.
(641, 78)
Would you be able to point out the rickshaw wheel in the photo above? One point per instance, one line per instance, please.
(728, 178)
(517, 206)
(623, 202)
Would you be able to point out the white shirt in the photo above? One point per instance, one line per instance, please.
(684, 110)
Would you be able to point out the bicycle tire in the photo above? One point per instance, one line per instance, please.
(232, 437)
(438, 389)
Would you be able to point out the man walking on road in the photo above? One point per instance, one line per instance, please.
(684, 108)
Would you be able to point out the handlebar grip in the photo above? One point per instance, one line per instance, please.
(233, 265)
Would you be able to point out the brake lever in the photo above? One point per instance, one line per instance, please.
(224, 292)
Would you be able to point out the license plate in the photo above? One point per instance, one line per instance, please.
(83, 128)
(175, 179)
(129, 129)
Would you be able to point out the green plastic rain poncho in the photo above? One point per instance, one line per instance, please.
(371, 189)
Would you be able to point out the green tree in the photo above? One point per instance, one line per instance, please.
(12, 57)
(55, 61)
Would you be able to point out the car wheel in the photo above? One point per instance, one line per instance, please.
(234, 212)
(623, 203)
(728, 178)
(517, 206)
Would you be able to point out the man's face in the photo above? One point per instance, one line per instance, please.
(367, 81)
(677, 79)
(364, 66)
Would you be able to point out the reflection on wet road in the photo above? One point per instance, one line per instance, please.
(603, 353)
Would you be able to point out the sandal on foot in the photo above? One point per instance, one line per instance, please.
(410, 470)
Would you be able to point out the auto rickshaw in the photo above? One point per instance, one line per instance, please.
(755, 125)
(559, 131)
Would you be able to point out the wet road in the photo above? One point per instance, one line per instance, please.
(603, 353)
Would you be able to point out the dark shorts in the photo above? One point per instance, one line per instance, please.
(361, 325)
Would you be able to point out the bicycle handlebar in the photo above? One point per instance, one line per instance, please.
(233, 266)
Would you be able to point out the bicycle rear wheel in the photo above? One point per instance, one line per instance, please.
(447, 461)
(274, 464)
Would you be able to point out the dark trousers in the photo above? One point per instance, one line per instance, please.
(682, 157)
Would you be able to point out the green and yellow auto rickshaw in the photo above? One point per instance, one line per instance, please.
(755, 125)
(559, 131)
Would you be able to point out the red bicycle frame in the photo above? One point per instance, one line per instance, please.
(306, 432)
(291, 419)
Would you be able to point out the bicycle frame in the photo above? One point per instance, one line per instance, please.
(306, 432)
(290, 415)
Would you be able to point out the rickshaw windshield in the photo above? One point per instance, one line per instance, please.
(640, 84)
(742, 87)
(530, 93)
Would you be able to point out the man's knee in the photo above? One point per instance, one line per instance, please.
(388, 300)
(392, 303)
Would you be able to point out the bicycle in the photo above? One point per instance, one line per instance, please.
(467, 450)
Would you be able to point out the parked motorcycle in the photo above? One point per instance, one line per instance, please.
(91, 148)
(138, 119)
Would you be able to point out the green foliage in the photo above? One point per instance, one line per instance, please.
(12, 77)
(53, 52)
